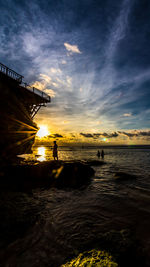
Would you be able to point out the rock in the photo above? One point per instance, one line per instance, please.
(124, 176)
(72, 175)
(92, 258)
(123, 246)
(19, 212)
(46, 174)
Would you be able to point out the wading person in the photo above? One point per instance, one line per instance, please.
(55, 152)
(98, 154)
(102, 154)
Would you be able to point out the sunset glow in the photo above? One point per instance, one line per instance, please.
(43, 131)
(99, 94)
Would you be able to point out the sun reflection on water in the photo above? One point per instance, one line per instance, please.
(42, 153)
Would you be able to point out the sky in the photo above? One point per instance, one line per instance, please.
(92, 57)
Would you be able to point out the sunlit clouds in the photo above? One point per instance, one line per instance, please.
(90, 58)
(127, 115)
(137, 137)
(72, 48)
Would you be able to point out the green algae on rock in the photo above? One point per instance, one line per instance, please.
(92, 258)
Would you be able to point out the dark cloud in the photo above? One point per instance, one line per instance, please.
(55, 136)
(109, 78)
(112, 135)
(97, 135)
(135, 133)
(132, 134)
(88, 135)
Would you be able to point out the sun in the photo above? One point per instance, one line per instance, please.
(43, 131)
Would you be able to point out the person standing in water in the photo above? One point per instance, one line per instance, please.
(102, 154)
(98, 154)
(55, 152)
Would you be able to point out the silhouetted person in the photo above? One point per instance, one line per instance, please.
(98, 154)
(102, 154)
(55, 153)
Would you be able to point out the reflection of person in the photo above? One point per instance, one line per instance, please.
(102, 154)
(98, 154)
(55, 154)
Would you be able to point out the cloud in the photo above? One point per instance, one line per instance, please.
(45, 78)
(63, 62)
(127, 114)
(100, 83)
(72, 48)
(69, 80)
(142, 135)
(55, 71)
(50, 92)
(112, 135)
(45, 81)
(135, 133)
(39, 85)
(98, 122)
(97, 135)
(88, 135)
(55, 136)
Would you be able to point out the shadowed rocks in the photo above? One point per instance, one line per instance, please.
(45, 175)
(114, 248)
(92, 258)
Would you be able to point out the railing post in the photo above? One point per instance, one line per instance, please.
(6, 71)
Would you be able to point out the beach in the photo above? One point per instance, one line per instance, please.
(50, 226)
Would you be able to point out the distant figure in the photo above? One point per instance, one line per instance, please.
(102, 154)
(98, 154)
(55, 154)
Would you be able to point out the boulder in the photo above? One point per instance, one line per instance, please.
(74, 175)
(46, 174)
(92, 258)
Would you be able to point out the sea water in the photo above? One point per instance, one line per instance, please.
(70, 219)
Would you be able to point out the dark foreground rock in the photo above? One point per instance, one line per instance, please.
(18, 212)
(92, 258)
(114, 248)
(45, 175)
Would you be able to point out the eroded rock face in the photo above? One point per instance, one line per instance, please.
(92, 258)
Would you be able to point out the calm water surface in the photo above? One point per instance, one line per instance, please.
(69, 220)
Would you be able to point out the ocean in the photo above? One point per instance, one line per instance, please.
(69, 220)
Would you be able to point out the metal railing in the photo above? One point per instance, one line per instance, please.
(11, 73)
(14, 75)
(37, 92)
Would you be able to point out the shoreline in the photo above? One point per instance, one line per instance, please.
(22, 213)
